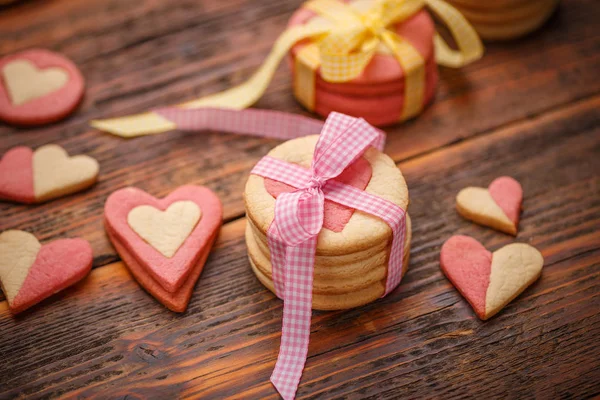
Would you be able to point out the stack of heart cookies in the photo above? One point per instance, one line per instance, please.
(505, 19)
(351, 261)
(378, 93)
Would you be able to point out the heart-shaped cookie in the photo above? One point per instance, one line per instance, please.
(37, 87)
(335, 216)
(31, 272)
(489, 281)
(176, 301)
(36, 176)
(498, 206)
(166, 238)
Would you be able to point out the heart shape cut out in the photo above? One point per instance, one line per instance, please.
(25, 82)
(165, 230)
(31, 272)
(168, 272)
(498, 206)
(335, 216)
(489, 281)
(47, 173)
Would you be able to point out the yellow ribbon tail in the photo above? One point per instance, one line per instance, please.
(469, 45)
(238, 97)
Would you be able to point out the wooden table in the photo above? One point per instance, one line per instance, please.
(529, 109)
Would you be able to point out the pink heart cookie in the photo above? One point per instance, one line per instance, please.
(489, 281)
(165, 236)
(336, 216)
(498, 206)
(16, 175)
(31, 272)
(30, 176)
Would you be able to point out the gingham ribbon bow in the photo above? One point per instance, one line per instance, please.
(298, 220)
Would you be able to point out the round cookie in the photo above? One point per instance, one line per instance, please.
(363, 231)
(418, 30)
(354, 276)
(496, 5)
(345, 300)
(509, 15)
(504, 32)
(332, 302)
(331, 262)
(382, 80)
(380, 111)
(38, 87)
(507, 19)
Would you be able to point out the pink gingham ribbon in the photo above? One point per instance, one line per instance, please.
(292, 236)
(298, 220)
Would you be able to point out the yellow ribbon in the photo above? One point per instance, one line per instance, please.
(344, 42)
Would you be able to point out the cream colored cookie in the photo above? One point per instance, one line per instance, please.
(514, 268)
(342, 280)
(333, 302)
(378, 251)
(56, 174)
(363, 231)
(345, 300)
(515, 29)
(509, 15)
(326, 267)
(165, 230)
(496, 5)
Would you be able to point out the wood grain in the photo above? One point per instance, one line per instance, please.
(106, 338)
(136, 55)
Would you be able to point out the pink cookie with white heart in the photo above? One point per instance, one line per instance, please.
(30, 272)
(498, 206)
(38, 87)
(165, 237)
(489, 281)
(28, 176)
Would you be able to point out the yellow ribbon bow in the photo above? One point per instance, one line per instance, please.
(345, 40)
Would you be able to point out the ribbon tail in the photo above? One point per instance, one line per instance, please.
(469, 45)
(238, 97)
(297, 312)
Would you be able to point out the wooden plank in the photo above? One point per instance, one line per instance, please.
(106, 337)
(208, 46)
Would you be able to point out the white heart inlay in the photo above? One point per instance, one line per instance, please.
(25, 82)
(165, 230)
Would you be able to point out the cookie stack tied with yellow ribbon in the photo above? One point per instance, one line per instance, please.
(374, 59)
(353, 247)
(506, 19)
(391, 87)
